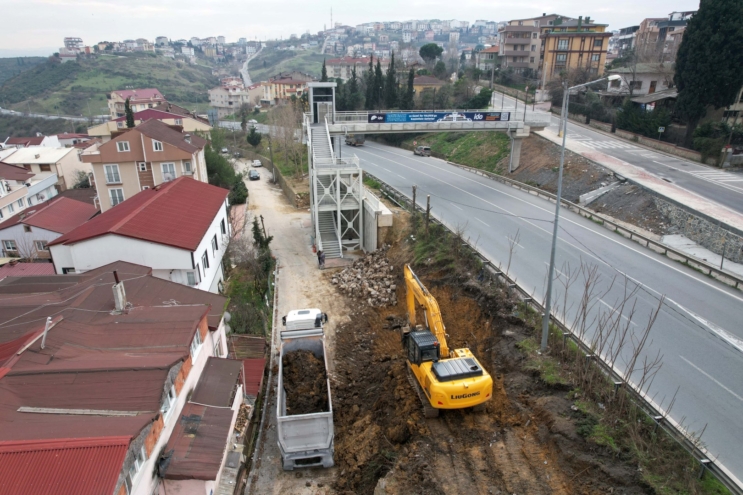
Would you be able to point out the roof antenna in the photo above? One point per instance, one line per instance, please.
(46, 330)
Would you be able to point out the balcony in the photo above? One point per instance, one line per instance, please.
(519, 29)
(518, 53)
(519, 65)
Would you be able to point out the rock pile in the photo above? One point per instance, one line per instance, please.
(370, 279)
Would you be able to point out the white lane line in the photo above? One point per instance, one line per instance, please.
(711, 378)
(558, 271)
(400, 176)
(509, 240)
(614, 310)
(481, 222)
(457, 207)
(388, 170)
(549, 232)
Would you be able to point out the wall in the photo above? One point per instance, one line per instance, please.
(67, 169)
(25, 240)
(129, 182)
(210, 279)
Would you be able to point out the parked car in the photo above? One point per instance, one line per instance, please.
(252, 121)
(254, 175)
(225, 151)
(422, 151)
(237, 154)
(257, 163)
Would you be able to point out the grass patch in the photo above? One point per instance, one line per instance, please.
(481, 150)
(272, 61)
(372, 183)
(548, 368)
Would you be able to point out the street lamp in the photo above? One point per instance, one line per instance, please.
(564, 122)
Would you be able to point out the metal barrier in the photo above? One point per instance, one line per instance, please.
(640, 399)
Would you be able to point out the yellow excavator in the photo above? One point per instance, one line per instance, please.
(443, 378)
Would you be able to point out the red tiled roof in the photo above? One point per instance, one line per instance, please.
(25, 141)
(160, 131)
(86, 466)
(140, 94)
(71, 135)
(196, 446)
(492, 49)
(59, 215)
(26, 269)
(151, 113)
(253, 370)
(176, 213)
(14, 172)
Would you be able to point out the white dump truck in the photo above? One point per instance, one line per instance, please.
(305, 440)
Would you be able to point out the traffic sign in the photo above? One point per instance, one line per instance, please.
(661, 129)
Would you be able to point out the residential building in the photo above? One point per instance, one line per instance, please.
(142, 158)
(733, 114)
(162, 41)
(453, 37)
(188, 51)
(488, 59)
(185, 123)
(92, 398)
(139, 99)
(20, 188)
(228, 99)
(575, 44)
(521, 42)
(64, 163)
(423, 83)
(70, 139)
(39, 140)
(625, 40)
(641, 79)
(342, 68)
(27, 234)
(180, 229)
(173, 108)
(283, 86)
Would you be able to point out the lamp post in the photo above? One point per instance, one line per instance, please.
(551, 270)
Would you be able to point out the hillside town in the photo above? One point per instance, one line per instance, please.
(228, 272)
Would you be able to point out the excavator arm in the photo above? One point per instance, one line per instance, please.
(416, 291)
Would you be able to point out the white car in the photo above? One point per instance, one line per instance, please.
(252, 121)
(257, 163)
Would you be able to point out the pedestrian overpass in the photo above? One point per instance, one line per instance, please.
(346, 216)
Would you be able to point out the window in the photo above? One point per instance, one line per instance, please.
(45, 167)
(218, 348)
(67, 270)
(562, 44)
(191, 277)
(139, 459)
(223, 226)
(116, 196)
(178, 121)
(616, 83)
(9, 246)
(41, 246)
(598, 43)
(10, 208)
(142, 166)
(561, 57)
(595, 57)
(515, 59)
(215, 244)
(112, 174)
(531, 60)
(157, 145)
(168, 402)
(533, 48)
(168, 171)
(27, 228)
(119, 124)
(534, 35)
(20, 202)
(187, 168)
(195, 344)
(122, 146)
(205, 261)
(635, 84)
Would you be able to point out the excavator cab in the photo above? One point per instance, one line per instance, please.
(421, 346)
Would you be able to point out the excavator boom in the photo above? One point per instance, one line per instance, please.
(416, 291)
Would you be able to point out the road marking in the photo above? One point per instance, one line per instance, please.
(455, 206)
(614, 310)
(388, 170)
(516, 243)
(589, 228)
(558, 271)
(711, 378)
(400, 176)
(481, 222)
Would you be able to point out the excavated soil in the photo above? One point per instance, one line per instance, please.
(524, 443)
(305, 383)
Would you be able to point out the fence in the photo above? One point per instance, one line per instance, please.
(639, 398)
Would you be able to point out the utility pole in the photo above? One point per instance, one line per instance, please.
(265, 234)
(414, 188)
(428, 211)
(526, 97)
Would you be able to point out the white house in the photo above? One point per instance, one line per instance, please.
(179, 228)
(65, 163)
(20, 188)
(27, 142)
(644, 79)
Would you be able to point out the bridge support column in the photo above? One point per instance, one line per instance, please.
(516, 139)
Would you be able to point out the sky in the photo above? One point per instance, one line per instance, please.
(37, 27)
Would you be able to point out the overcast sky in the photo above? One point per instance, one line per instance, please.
(38, 26)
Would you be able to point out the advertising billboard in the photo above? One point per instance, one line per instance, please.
(431, 117)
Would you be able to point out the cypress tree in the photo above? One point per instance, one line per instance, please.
(391, 84)
(324, 75)
(129, 114)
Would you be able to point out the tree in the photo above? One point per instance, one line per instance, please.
(390, 85)
(324, 75)
(430, 52)
(254, 138)
(82, 180)
(440, 70)
(407, 98)
(709, 63)
(239, 192)
(378, 85)
(369, 81)
(129, 114)
(354, 97)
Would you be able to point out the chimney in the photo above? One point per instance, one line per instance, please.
(46, 330)
(580, 21)
(119, 294)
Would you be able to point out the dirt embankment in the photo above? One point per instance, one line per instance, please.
(305, 383)
(526, 441)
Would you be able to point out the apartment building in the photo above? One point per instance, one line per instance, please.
(142, 158)
(653, 34)
(63, 163)
(228, 98)
(20, 188)
(574, 44)
(342, 68)
(186, 123)
(521, 42)
(139, 99)
(625, 39)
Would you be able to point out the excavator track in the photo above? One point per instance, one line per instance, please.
(429, 411)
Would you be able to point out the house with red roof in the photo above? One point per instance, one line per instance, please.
(184, 123)
(96, 374)
(143, 157)
(39, 140)
(180, 229)
(27, 234)
(139, 99)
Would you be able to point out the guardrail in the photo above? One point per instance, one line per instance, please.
(724, 276)
(640, 399)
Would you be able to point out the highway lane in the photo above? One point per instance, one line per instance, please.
(697, 330)
(716, 185)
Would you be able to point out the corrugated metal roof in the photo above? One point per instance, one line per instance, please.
(89, 466)
(59, 215)
(218, 382)
(26, 270)
(657, 96)
(176, 213)
(253, 370)
(246, 346)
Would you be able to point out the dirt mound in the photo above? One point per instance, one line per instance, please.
(369, 279)
(305, 383)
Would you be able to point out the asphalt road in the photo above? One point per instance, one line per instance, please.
(714, 184)
(697, 330)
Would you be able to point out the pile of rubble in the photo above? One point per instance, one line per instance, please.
(369, 279)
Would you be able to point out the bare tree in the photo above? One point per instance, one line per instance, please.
(284, 129)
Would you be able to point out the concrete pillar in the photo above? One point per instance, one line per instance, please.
(515, 152)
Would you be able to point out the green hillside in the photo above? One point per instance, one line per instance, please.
(80, 88)
(18, 125)
(272, 61)
(12, 66)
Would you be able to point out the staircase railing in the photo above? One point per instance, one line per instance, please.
(330, 143)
